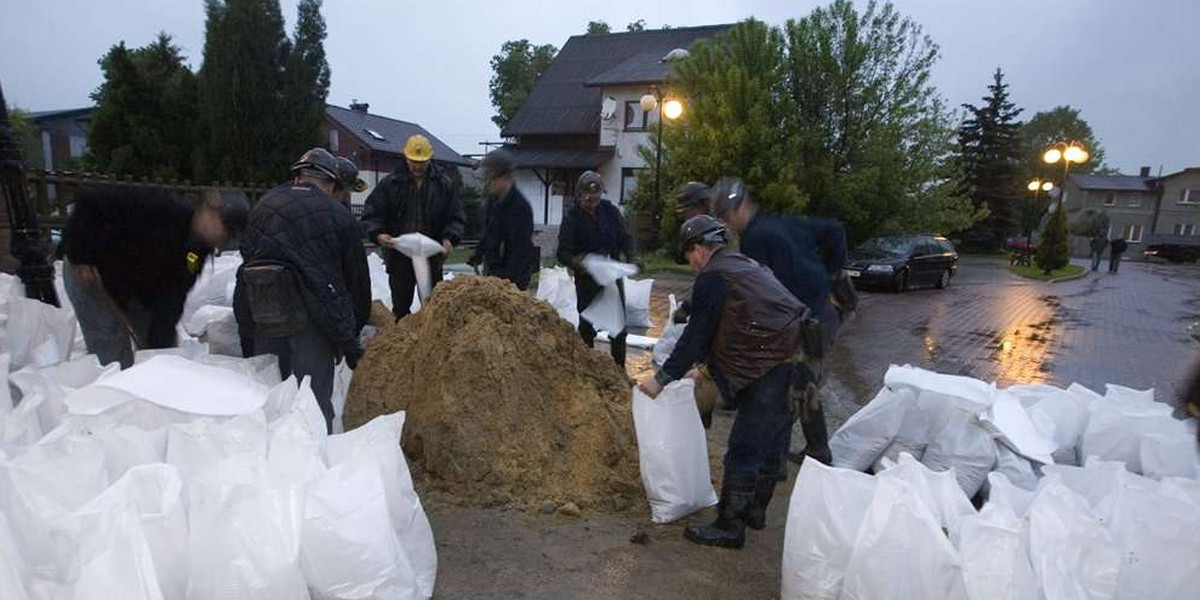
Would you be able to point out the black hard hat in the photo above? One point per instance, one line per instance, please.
(590, 184)
(320, 161)
(497, 163)
(691, 195)
(701, 229)
(728, 195)
(348, 176)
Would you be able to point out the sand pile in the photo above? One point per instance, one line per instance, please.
(505, 405)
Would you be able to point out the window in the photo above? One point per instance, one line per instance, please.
(636, 119)
(79, 146)
(1132, 233)
(1185, 229)
(1133, 201)
(1187, 196)
(628, 183)
(333, 139)
(1110, 199)
(375, 134)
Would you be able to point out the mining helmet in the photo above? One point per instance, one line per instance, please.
(318, 161)
(728, 195)
(348, 176)
(418, 148)
(693, 194)
(701, 229)
(590, 185)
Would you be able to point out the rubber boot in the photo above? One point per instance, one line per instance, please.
(816, 437)
(729, 530)
(764, 489)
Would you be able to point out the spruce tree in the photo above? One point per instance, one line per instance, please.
(307, 81)
(1054, 252)
(990, 147)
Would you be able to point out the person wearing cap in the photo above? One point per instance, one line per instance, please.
(304, 291)
(416, 198)
(744, 327)
(348, 181)
(691, 200)
(506, 250)
(807, 256)
(594, 226)
(132, 255)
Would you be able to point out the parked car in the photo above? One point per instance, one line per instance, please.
(901, 262)
(1176, 253)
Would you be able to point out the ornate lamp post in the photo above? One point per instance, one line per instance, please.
(671, 109)
(1036, 186)
(28, 244)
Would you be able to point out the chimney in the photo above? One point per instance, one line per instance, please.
(1145, 172)
(363, 106)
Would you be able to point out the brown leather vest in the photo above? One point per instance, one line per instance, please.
(760, 324)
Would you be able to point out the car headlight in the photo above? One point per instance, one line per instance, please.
(879, 269)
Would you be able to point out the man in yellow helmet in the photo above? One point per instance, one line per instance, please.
(416, 198)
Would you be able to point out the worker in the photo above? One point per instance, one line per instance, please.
(304, 291)
(418, 197)
(806, 255)
(348, 181)
(594, 226)
(132, 255)
(692, 199)
(744, 326)
(506, 250)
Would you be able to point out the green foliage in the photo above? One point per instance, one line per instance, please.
(145, 115)
(307, 82)
(1053, 253)
(1090, 223)
(515, 71)
(991, 158)
(28, 138)
(1059, 124)
(638, 25)
(598, 28)
(473, 207)
(1041, 275)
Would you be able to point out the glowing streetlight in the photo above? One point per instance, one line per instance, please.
(672, 109)
(1037, 186)
(1068, 153)
(649, 102)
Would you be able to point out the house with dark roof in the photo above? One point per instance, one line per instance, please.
(376, 143)
(63, 134)
(1143, 209)
(584, 114)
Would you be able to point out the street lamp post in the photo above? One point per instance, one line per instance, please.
(671, 109)
(1036, 186)
(1068, 153)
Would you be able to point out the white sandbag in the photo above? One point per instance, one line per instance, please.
(1062, 416)
(965, 446)
(1120, 392)
(176, 383)
(1100, 483)
(1157, 537)
(21, 427)
(637, 302)
(214, 286)
(1016, 468)
(665, 344)
(199, 446)
(971, 394)
(900, 551)
(606, 312)
(1187, 490)
(419, 248)
(1002, 492)
(1116, 425)
(380, 288)
(939, 491)
(12, 564)
(1169, 455)
(245, 530)
(187, 350)
(38, 334)
(130, 541)
(6, 399)
(1008, 420)
(55, 382)
(1072, 553)
(995, 562)
(125, 446)
(263, 368)
(824, 515)
(342, 375)
(349, 549)
(606, 271)
(378, 442)
(294, 449)
(556, 287)
(217, 327)
(672, 452)
(864, 437)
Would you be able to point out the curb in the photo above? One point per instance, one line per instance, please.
(1070, 277)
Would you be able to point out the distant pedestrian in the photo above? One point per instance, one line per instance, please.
(1114, 254)
(506, 250)
(1098, 243)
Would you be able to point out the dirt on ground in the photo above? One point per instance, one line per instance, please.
(506, 407)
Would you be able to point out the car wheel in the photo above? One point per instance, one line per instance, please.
(900, 283)
(944, 282)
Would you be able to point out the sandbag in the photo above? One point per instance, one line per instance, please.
(672, 452)
(55, 382)
(176, 383)
(381, 290)
(38, 334)
(1008, 420)
(900, 551)
(217, 327)
(1062, 416)
(606, 271)
(637, 302)
(12, 564)
(201, 445)
(965, 446)
(556, 287)
(378, 443)
(1016, 468)
(665, 344)
(1002, 492)
(864, 437)
(214, 286)
(995, 562)
(1157, 536)
(1072, 554)
(938, 491)
(1171, 454)
(606, 312)
(419, 247)
(1116, 425)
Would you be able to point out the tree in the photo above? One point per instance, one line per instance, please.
(307, 81)
(1059, 124)
(992, 160)
(27, 136)
(598, 28)
(515, 71)
(638, 25)
(145, 112)
(1053, 253)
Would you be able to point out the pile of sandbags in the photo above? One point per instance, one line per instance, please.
(1096, 532)
(196, 476)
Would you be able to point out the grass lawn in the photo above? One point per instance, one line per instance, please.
(460, 254)
(660, 262)
(1040, 275)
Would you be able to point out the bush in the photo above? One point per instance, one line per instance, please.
(1054, 252)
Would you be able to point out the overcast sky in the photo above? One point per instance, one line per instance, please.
(1132, 66)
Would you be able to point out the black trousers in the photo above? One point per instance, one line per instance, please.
(403, 282)
(310, 354)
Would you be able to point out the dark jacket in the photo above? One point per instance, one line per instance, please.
(1098, 244)
(444, 218)
(1119, 246)
(582, 233)
(140, 241)
(507, 244)
(804, 254)
(298, 224)
(743, 323)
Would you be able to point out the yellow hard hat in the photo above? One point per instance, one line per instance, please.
(418, 148)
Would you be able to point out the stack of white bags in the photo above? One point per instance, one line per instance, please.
(192, 476)
(1126, 524)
